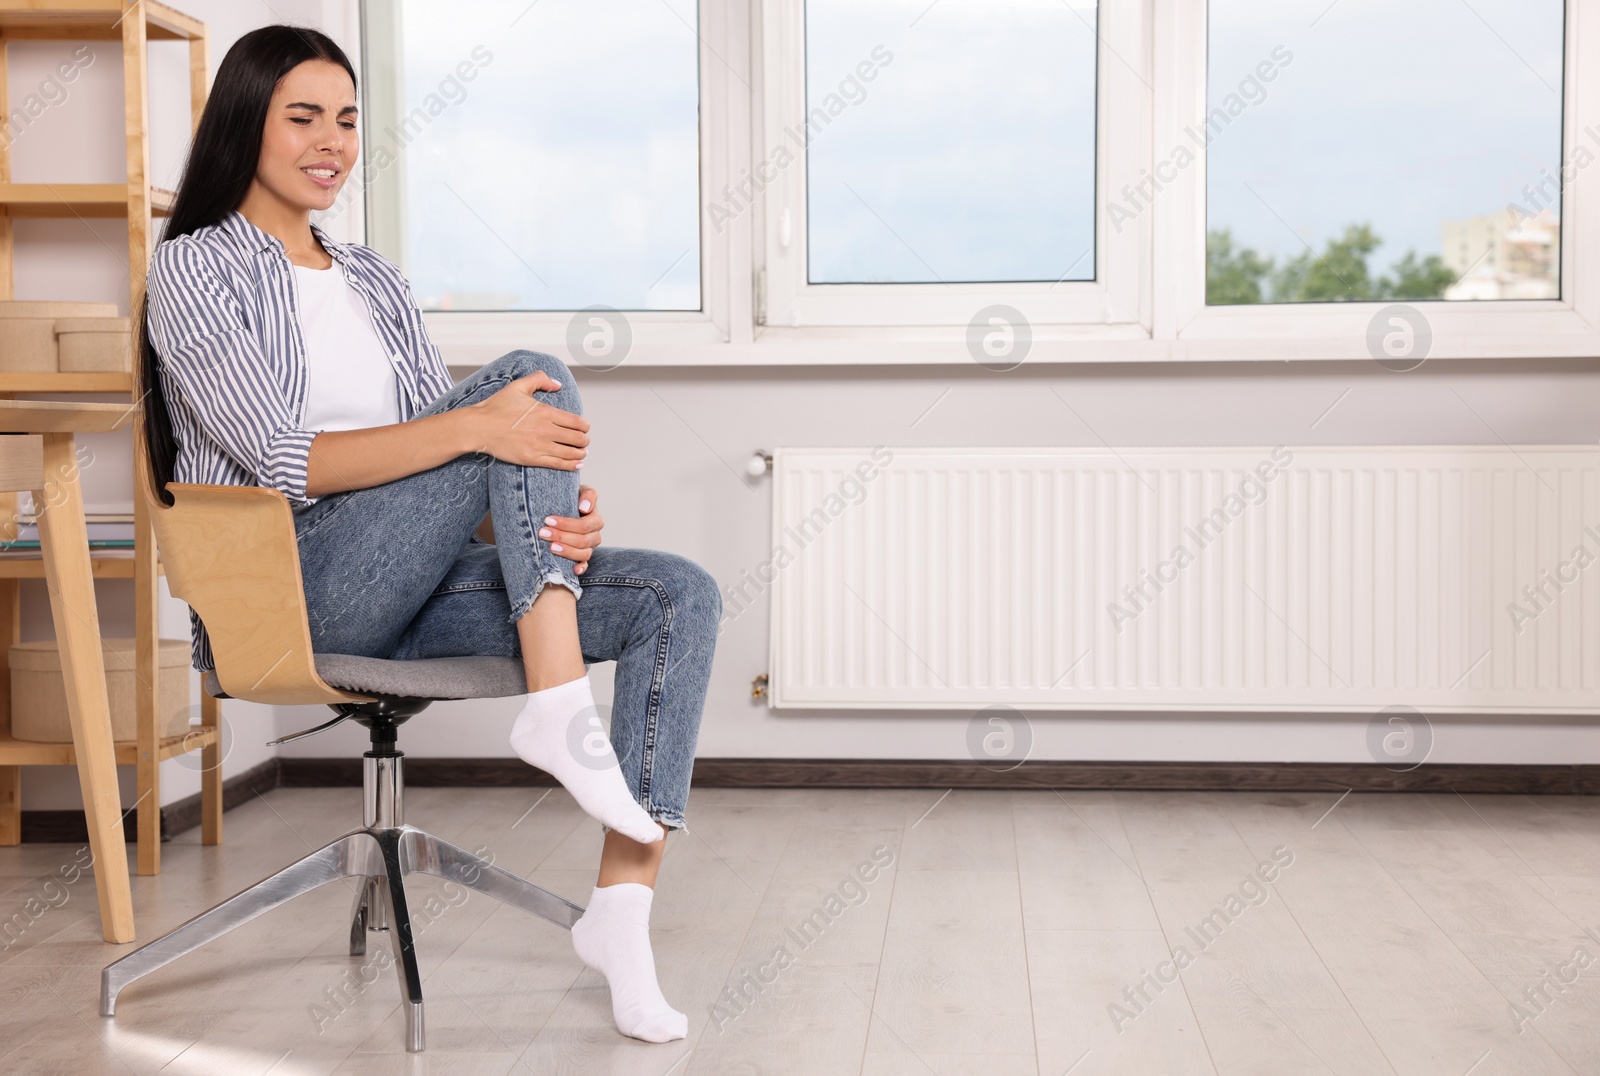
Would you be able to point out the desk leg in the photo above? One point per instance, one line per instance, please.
(10, 632)
(211, 778)
(10, 805)
(147, 690)
(64, 540)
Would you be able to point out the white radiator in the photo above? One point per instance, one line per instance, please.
(1457, 578)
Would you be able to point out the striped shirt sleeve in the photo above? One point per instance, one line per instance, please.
(215, 358)
(433, 376)
(431, 370)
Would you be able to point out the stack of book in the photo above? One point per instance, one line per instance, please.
(107, 530)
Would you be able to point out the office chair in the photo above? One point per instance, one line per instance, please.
(231, 553)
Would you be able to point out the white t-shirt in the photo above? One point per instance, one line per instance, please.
(351, 384)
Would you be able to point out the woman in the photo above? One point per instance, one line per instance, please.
(273, 356)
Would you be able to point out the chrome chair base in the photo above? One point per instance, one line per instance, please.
(379, 855)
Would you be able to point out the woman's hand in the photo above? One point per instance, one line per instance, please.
(576, 539)
(515, 426)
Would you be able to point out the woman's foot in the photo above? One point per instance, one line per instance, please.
(559, 731)
(613, 937)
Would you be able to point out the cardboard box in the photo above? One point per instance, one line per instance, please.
(39, 694)
(28, 332)
(95, 345)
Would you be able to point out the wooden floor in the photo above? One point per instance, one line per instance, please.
(1011, 933)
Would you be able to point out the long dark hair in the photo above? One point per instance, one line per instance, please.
(217, 175)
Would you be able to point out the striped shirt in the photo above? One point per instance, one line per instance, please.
(225, 323)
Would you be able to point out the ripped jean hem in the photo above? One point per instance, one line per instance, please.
(538, 588)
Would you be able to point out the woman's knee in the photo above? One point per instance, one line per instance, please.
(690, 586)
(521, 363)
(673, 583)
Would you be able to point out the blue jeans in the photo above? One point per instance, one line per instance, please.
(396, 571)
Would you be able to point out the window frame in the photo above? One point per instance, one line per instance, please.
(1113, 298)
(1465, 329)
(472, 338)
(1148, 303)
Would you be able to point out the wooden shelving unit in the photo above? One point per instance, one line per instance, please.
(134, 26)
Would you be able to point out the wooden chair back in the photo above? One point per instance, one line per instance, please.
(231, 553)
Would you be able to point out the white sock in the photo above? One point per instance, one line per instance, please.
(613, 937)
(545, 735)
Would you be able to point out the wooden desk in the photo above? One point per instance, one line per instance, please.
(48, 467)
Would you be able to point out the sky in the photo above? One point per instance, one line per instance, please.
(568, 174)
(1399, 113)
(971, 158)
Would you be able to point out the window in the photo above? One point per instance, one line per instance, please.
(961, 183)
(756, 182)
(1383, 152)
(530, 156)
(949, 142)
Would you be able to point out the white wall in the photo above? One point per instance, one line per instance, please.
(669, 446)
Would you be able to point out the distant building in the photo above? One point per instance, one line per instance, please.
(1503, 256)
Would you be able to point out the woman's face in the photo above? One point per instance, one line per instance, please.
(310, 141)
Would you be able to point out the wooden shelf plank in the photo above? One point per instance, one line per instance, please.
(76, 200)
(61, 416)
(173, 746)
(163, 20)
(103, 564)
(70, 381)
(24, 753)
(92, 20)
(14, 752)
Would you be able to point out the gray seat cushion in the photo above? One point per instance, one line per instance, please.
(469, 677)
